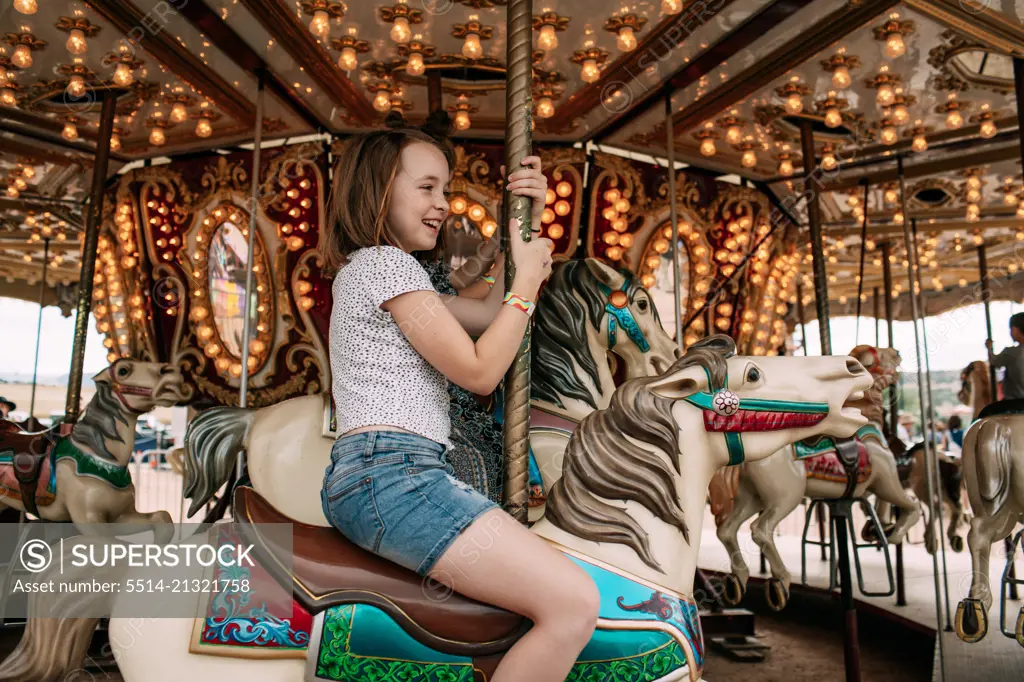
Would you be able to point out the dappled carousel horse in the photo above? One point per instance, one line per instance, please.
(83, 477)
(993, 467)
(975, 387)
(628, 509)
(773, 487)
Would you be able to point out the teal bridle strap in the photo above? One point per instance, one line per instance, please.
(621, 316)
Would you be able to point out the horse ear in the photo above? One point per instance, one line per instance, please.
(680, 384)
(607, 276)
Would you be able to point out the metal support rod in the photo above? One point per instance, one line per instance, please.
(876, 314)
(670, 147)
(931, 415)
(929, 452)
(518, 145)
(94, 216)
(435, 94)
(863, 251)
(254, 207)
(894, 410)
(817, 252)
(39, 329)
(838, 512)
(803, 336)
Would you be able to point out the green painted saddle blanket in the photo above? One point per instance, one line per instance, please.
(821, 460)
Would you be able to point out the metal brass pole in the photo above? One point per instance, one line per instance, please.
(92, 235)
(254, 206)
(894, 408)
(817, 251)
(929, 451)
(820, 513)
(876, 315)
(435, 95)
(39, 330)
(863, 251)
(670, 146)
(518, 144)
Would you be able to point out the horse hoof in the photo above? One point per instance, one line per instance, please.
(972, 621)
(1019, 630)
(868, 534)
(776, 594)
(956, 543)
(732, 590)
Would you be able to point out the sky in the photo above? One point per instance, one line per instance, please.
(954, 338)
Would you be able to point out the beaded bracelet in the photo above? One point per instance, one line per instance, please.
(517, 301)
(490, 280)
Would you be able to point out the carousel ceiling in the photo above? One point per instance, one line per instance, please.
(928, 80)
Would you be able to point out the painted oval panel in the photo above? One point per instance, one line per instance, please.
(228, 259)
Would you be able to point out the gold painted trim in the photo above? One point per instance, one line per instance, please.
(974, 18)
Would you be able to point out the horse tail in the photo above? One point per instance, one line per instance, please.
(60, 625)
(213, 441)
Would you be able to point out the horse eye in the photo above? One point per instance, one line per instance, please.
(123, 371)
(754, 374)
(642, 305)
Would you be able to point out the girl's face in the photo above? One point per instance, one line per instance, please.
(419, 201)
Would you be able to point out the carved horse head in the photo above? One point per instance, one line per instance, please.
(140, 386)
(587, 305)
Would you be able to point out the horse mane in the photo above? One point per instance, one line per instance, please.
(602, 460)
(559, 333)
(99, 422)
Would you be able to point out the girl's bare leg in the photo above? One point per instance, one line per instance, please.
(498, 561)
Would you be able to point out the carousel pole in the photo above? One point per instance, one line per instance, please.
(820, 509)
(518, 144)
(254, 205)
(839, 510)
(929, 460)
(93, 218)
(931, 415)
(39, 331)
(670, 147)
(986, 297)
(863, 251)
(877, 314)
(894, 408)
(435, 94)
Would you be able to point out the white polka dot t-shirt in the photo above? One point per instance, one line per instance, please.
(378, 377)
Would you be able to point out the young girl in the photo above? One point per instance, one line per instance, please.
(394, 346)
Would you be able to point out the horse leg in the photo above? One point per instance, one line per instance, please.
(985, 530)
(956, 514)
(885, 484)
(159, 522)
(746, 504)
(763, 532)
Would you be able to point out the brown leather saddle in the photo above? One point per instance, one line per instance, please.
(328, 570)
(28, 454)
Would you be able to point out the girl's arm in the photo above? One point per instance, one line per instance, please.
(439, 337)
(481, 288)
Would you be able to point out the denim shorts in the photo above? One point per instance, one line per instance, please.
(393, 494)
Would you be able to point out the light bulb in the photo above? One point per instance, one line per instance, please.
(348, 61)
(707, 147)
(973, 196)
(4, 77)
(76, 86)
(785, 167)
(28, 171)
(900, 115)
(115, 142)
(1010, 199)
(414, 67)
(26, 6)
(462, 120)
(123, 75)
(897, 218)
(203, 128)
(400, 32)
(833, 118)
(988, 128)
(12, 191)
(76, 42)
(22, 57)
(749, 159)
(671, 6)
(891, 196)
(889, 135)
(733, 134)
(7, 97)
(894, 45)
(20, 184)
(471, 48)
(321, 24)
(841, 77)
(828, 161)
(382, 102)
(157, 137)
(70, 132)
(885, 95)
(590, 73)
(178, 113)
(547, 39)
(794, 104)
(545, 108)
(954, 119)
(626, 41)
(974, 182)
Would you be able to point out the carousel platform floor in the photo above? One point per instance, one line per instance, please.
(995, 658)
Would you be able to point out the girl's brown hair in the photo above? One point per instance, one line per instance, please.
(361, 196)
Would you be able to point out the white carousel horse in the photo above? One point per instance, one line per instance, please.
(993, 467)
(628, 509)
(83, 477)
(773, 487)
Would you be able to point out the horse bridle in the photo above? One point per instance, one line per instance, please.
(728, 414)
(121, 390)
(619, 314)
